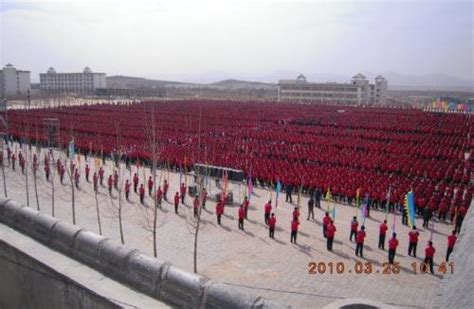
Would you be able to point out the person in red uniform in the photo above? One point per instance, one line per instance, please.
(165, 189)
(241, 217)
(110, 183)
(142, 194)
(116, 180)
(294, 230)
(61, 173)
(135, 183)
(246, 204)
(451, 241)
(127, 189)
(461, 212)
(326, 220)
(392, 248)
(9, 154)
(196, 206)
(159, 196)
(87, 170)
(219, 211)
(413, 241)
(101, 176)
(330, 233)
(150, 185)
(46, 172)
(95, 180)
(76, 177)
(22, 164)
(182, 191)
(429, 256)
(442, 211)
(271, 225)
(360, 242)
(296, 214)
(204, 198)
(268, 210)
(382, 232)
(176, 202)
(354, 227)
(13, 161)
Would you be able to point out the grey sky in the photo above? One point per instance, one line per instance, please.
(202, 40)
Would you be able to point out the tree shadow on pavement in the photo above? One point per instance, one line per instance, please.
(228, 229)
(281, 242)
(304, 249)
(248, 233)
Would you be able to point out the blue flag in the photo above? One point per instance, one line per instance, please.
(71, 150)
(277, 192)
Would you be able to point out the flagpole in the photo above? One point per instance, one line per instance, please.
(432, 229)
(388, 201)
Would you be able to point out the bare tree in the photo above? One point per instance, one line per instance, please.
(3, 167)
(70, 173)
(34, 167)
(194, 224)
(153, 149)
(119, 155)
(24, 140)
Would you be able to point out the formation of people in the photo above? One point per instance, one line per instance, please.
(305, 146)
(357, 234)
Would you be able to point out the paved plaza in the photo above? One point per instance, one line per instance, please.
(249, 259)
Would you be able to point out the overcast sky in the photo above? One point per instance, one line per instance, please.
(201, 40)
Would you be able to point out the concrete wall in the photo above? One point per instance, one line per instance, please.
(28, 283)
(456, 289)
(156, 278)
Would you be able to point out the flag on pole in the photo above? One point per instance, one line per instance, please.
(411, 207)
(71, 150)
(358, 197)
(388, 200)
(277, 192)
(226, 182)
(185, 176)
(299, 195)
(249, 186)
(363, 208)
(328, 198)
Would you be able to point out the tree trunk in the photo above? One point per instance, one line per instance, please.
(120, 208)
(26, 180)
(4, 180)
(73, 202)
(98, 213)
(36, 190)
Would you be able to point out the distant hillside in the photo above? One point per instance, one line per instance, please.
(120, 81)
(235, 83)
(129, 82)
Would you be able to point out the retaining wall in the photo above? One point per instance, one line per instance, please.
(28, 283)
(151, 276)
(456, 289)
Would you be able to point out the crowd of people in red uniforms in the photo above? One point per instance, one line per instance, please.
(342, 148)
(357, 231)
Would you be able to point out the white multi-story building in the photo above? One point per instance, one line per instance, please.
(359, 91)
(85, 82)
(13, 82)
